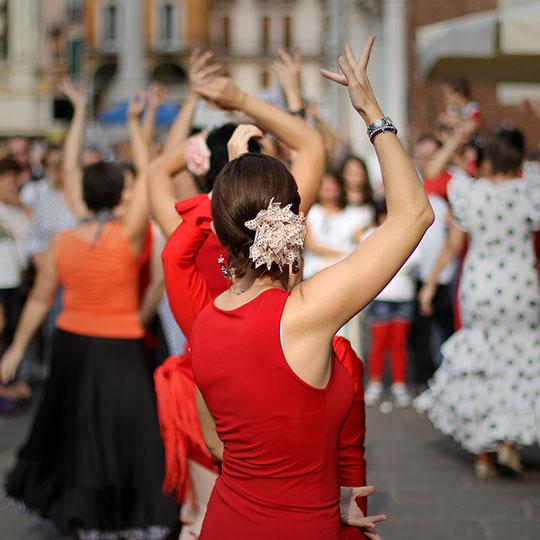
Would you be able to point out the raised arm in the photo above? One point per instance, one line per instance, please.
(140, 145)
(288, 70)
(135, 219)
(156, 97)
(200, 66)
(161, 191)
(72, 148)
(319, 306)
(308, 165)
(451, 147)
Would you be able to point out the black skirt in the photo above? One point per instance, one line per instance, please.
(94, 460)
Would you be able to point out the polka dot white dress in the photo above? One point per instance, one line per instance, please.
(487, 388)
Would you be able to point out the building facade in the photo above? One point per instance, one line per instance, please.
(111, 46)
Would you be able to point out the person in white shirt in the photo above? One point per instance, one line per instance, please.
(335, 228)
(389, 320)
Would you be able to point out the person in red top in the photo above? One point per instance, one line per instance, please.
(187, 287)
(205, 155)
(271, 397)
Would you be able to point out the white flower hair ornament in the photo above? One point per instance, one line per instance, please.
(198, 155)
(278, 236)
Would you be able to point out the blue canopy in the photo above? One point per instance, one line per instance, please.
(117, 114)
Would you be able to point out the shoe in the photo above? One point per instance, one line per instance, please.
(508, 458)
(401, 395)
(484, 468)
(373, 393)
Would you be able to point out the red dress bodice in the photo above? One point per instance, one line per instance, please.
(281, 436)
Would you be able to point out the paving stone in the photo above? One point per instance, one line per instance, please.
(423, 529)
(523, 530)
(425, 484)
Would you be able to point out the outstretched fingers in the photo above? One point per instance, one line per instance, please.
(335, 77)
(363, 60)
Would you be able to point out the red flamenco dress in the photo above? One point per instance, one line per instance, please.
(192, 279)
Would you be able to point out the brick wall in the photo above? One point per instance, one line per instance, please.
(425, 99)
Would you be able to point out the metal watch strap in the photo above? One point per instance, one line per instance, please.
(382, 125)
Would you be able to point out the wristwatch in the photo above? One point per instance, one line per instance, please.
(382, 125)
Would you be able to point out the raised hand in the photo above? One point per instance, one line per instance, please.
(351, 514)
(222, 92)
(238, 143)
(200, 67)
(157, 94)
(288, 71)
(137, 103)
(531, 106)
(74, 95)
(353, 75)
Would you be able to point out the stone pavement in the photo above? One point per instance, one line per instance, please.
(425, 484)
(427, 487)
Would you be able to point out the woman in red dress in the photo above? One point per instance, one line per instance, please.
(272, 399)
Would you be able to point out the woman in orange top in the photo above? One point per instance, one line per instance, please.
(94, 462)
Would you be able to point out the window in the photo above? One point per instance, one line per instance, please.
(287, 32)
(111, 25)
(75, 9)
(167, 25)
(75, 57)
(226, 29)
(4, 26)
(265, 35)
(265, 79)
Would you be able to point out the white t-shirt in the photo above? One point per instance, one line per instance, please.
(335, 231)
(433, 241)
(401, 287)
(14, 255)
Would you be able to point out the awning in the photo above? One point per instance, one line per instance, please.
(502, 44)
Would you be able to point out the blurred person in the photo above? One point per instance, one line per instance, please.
(205, 155)
(485, 392)
(389, 319)
(18, 392)
(51, 215)
(334, 229)
(449, 159)
(93, 462)
(359, 191)
(270, 494)
(14, 255)
(458, 104)
(180, 260)
(428, 332)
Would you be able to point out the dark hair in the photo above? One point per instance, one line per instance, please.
(102, 186)
(380, 210)
(367, 190)
(243, 187)
(460, 85)
(217, 141)
(505, 150)
(9, 165)
(127, 166)
(342, 200)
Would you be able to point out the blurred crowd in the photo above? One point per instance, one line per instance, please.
(399, 336)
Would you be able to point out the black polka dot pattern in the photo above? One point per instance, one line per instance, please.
(487, 388)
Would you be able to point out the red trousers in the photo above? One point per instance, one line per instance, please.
(390, 336)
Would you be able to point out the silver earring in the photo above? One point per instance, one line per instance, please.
(224, 270)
